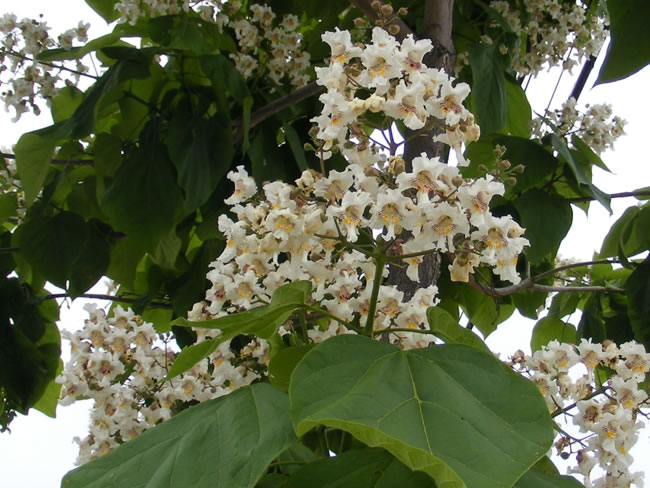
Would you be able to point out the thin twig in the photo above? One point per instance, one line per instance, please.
(113, 298)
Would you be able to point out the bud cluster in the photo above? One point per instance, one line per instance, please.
(605, 410)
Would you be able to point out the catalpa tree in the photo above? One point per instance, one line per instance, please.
(312, 215)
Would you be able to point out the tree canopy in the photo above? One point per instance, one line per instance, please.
(313, 213)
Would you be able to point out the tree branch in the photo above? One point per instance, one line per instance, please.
(113, 298)
(530, 283)
(70, 162)
(275, 107)
(625, 194)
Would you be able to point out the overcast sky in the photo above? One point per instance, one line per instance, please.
(40, 450)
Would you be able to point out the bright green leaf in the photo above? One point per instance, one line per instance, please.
(547, 219)
(451, 411)
(105, 8)
(551, 328)
(535, 478)
(449, 330)
(33, 155)
(488, 87)
(263, 321)
(284, 362)
(629, 48)
(637, 289)
(519, 113)
(228, 441)
(8, 206)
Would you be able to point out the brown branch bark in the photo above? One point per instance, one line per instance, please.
(113, 298)
(436, 27)
(275, 107)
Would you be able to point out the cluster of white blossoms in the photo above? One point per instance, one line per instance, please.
(605, 411)
(595, 125)
(267, 46)
(555, 33)
(120, 363)
(400, 85)
(24, 80)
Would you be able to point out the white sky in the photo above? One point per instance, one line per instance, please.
(40, 450)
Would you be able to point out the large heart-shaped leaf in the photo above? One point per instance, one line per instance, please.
(452, 411)
(228, 441)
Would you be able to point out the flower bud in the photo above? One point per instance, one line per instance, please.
(393, 28)
(402, 11)
(360, 22)
(510, 181)
(396, 165)
(519, 168)
(457, 181)
(386, 9)
(505, 164)
(308, 147)
(376, 4)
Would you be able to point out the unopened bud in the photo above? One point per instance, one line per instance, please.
(396, 165)
(376, 4)
(499, 150)
(505, 164)
(360, 22)
(393, 29)
(519, 168)
(510, 181)
(386, 9)
(402, 11)
(457, 181)
(348, 145)
(308, 147)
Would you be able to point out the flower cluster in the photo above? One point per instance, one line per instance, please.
(23, 79)
(120, 362)
(596, 125)
(400, 85)
(266, 45)
(555, 33)
(606, 411)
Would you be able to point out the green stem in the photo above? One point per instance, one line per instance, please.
(376, 283)
(324, 312)
(417, 331)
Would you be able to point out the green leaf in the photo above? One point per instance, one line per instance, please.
(29, 345)
(67, 251)
(449, 330)
(519, 113)
(50, 399)
(105, 8)
(528, 302)
(637, 290)
(8, 206)
(547, 219)
(588, 153)
(583, 181)
(629, 47)
(358, 468)
(263, 321)
(488, 87)
(284, 362)
(77, 52)
(535, 478)
(202, 151)
(143, 200)
(228, 441)
(65, 103)
(296, 146)
(452, 411)
(33, 155)
(551, 328)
